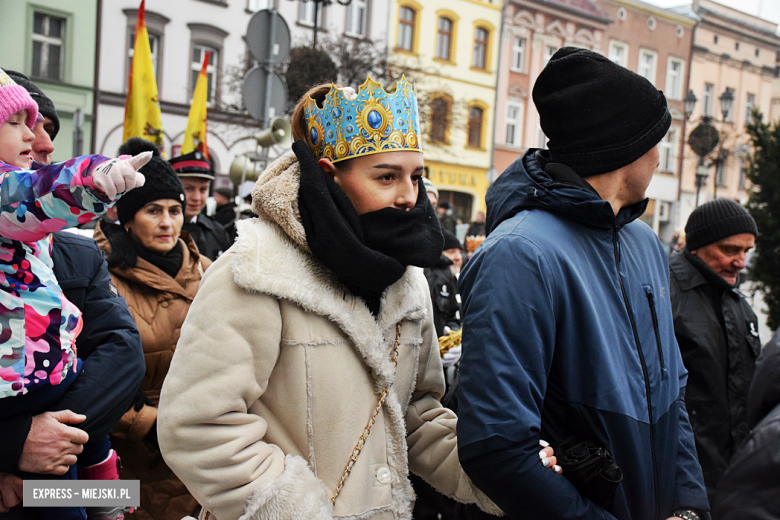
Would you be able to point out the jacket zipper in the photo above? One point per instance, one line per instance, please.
(616, 248)
(651, 301)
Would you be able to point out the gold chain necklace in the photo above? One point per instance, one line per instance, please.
(362, 440)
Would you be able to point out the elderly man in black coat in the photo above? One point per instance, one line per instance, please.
(716, 329)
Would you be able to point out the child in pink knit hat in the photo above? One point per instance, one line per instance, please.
(18, 114)
(38, 325)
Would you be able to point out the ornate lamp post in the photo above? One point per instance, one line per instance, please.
(704, 138)
(317, 4)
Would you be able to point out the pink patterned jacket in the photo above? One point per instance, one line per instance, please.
(38, 325)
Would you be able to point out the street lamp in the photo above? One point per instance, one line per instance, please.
(726, 102)
(690, 102)
(704, 138)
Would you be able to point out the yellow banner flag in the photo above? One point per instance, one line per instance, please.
(195, 134)
(142, 109)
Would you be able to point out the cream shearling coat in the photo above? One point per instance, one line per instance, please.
(278, 370)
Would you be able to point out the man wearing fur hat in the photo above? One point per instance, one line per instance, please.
(567, 315)
(195, 174)
(716, 329)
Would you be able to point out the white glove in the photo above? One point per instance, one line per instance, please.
(120, 175)
(451, 357)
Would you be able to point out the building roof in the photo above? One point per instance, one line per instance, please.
(584, 8)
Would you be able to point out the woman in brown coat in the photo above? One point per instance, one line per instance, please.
(157, 269)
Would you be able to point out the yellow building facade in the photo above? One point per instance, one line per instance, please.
(449, 49)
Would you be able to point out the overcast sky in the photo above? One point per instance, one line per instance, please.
(767, 9)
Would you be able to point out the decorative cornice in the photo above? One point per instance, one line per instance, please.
(739, 30)
(517, 90)
(657, 11)
(726, 59)
(150, 16)
(555, 10)
(219, 3)
(703, 11)
(206, 28)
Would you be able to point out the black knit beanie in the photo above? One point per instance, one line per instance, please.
(716, 220)
(161, 181)
(450, 240)
(45, 105)
(598, 115)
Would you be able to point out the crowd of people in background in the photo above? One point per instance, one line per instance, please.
(232, 364)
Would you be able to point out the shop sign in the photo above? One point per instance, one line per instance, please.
(452, 178)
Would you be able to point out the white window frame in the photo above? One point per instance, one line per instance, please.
(306, 13)
(742, 183)
(212, 68)
(650, 76)
(618, 52)
(707, 99)
(257, 5)
(669, 147)
(549, 50)
(518, 54)
(541, 138)
(516, 123)
(356, 25)
(674, 80)
(731, 117)
(47, 42)
(720, 174)
(750, 102)
(154, 44)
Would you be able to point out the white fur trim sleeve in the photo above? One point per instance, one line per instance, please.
(482, 500)
(296, 493)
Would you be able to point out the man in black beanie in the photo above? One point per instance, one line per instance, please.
(568, 332)
(716, 329)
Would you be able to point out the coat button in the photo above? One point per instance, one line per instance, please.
(383, 475)
(164, 305)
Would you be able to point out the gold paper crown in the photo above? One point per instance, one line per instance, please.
(372, 122)
(5, 80)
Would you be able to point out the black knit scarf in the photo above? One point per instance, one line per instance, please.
(367, 252)
(169, 263)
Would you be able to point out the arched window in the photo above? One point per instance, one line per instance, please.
(440, 120)
(444, 39)
(479, 60)
(406, 29)
(476, 116)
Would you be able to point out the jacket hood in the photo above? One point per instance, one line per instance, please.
(275, 197)
(765, 388)
(525, 185)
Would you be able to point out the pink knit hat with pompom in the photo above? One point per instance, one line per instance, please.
(14, 98)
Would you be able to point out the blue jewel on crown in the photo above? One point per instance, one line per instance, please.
(372, 121)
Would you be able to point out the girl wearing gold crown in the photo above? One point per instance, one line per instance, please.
(306, 381)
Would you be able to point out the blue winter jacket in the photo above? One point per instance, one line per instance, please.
(568, 331)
